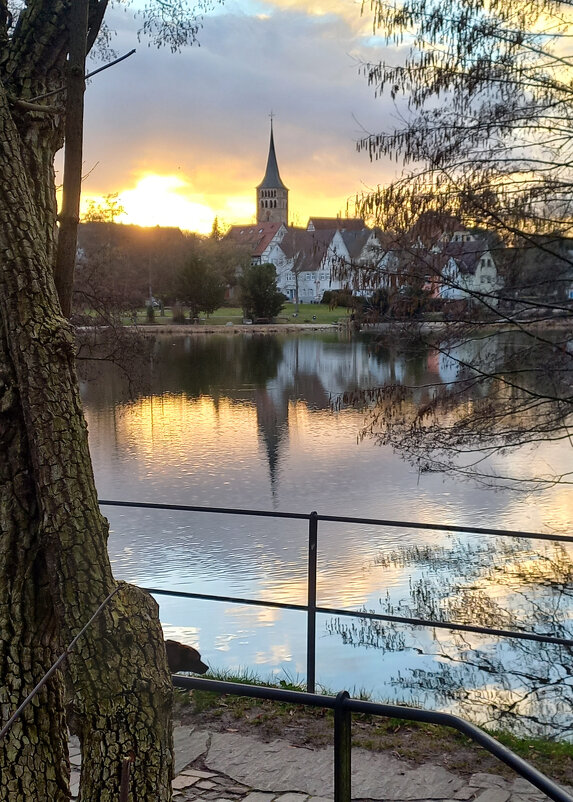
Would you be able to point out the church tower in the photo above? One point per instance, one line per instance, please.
(272, 195)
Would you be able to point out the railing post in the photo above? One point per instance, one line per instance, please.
(342, 749)
(311, 604)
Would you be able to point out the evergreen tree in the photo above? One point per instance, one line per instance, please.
(259, 292)
(199, 286)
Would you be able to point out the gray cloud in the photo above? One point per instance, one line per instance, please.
(204, 111)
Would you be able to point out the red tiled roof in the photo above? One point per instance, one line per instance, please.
(255, 237)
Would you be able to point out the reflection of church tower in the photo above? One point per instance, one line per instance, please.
(272, 419)
(272, 195)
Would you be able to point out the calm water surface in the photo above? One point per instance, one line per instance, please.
(246, 421)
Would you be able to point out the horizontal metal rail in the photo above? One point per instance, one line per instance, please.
(396, 619)
(475, 530)
(312, 609)
(343, 703)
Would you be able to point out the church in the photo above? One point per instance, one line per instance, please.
(272, 195)
(340, 253)
(308, 261)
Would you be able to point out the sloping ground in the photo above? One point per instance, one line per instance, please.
(406, 741)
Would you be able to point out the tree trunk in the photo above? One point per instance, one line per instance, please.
(69, 216)
(33, 754)
(55, 569)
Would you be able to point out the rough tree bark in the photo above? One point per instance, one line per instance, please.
(54, 568)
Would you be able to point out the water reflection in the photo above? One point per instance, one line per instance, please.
(247, 422)
(495, 391)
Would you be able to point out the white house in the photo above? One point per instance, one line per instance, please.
(343, 255)
(438, 253)
(469, 271)
(301, 260)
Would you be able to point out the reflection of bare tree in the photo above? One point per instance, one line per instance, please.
(491, 394)
(486, 159)
(520, 685)
(116, 352)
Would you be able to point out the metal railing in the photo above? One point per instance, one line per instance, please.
(312, 609)
(343, 707)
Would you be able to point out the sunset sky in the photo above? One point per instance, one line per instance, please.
(185, 137)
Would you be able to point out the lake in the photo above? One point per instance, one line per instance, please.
(247, 421)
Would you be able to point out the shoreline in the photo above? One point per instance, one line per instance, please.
(382, 327)
(237, 328)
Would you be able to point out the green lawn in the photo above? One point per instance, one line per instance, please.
(307, 313)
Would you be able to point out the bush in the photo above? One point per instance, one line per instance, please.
(334, 298)
(200, 286)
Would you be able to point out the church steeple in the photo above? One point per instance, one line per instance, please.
(272, 195)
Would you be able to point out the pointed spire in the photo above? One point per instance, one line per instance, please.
(272, 179)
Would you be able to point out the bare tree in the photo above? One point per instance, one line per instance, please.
(483, 92)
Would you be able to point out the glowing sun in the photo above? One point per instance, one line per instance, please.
(165, 200)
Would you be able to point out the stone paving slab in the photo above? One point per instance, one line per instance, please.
(229, 767)
(188, 745)
(279, 766)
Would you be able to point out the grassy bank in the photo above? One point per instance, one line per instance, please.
(410, 741)
(307, 313)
